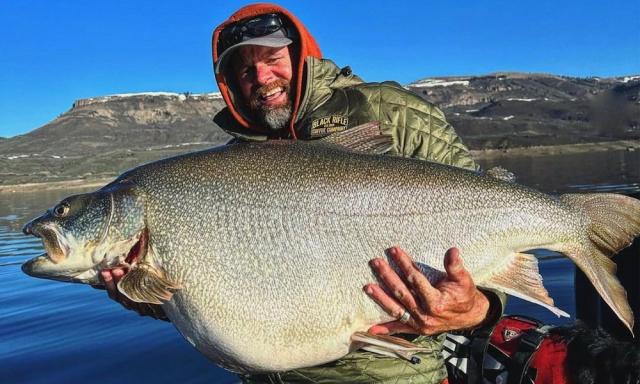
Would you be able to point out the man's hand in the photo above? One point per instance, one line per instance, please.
(452, 304)
(110, 278)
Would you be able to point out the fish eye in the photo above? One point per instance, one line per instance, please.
(61, 210)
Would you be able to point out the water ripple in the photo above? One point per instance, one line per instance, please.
(41, 318)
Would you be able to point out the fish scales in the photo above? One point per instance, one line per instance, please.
(319, 208)
(270, 242)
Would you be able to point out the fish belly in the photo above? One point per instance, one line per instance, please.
(272, 245)
(264, 296)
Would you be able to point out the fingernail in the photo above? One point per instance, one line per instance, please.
(393, 251)
(368, 289)
(374, 262)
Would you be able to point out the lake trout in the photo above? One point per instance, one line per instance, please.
(258, 252)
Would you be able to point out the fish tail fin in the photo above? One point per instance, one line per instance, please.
(614, 223)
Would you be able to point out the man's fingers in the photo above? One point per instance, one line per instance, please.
(394, 284)
(454, 266)
(414, 276)
(118, 273)
(109, 284)
(388, 303)
(391, 328)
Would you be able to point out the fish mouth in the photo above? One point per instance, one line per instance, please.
(55, 244)
(44, 268)
(34, 267)
(49, 265)
(55, 265)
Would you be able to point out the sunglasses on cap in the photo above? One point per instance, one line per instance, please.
(246, 29)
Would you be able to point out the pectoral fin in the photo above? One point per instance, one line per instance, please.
(388, 346)
(145, 283)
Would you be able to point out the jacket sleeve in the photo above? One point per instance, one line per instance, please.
(497, 303)
(420, 130)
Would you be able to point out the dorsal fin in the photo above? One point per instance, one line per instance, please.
(365, 138)
(501, 173)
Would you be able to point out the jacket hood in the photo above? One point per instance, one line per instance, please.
(305, 46)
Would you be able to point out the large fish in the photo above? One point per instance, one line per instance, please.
(258, 252)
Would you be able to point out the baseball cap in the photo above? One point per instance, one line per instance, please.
(265, 30)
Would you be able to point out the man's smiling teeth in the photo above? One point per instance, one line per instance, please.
(272, 92)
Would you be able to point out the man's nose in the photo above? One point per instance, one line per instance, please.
(264, 74)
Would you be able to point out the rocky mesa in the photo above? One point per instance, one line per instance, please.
(101, 137)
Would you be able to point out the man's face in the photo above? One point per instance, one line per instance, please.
(263, 75)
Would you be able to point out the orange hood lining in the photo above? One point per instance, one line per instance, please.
(307, 46)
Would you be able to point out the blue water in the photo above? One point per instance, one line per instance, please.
(52, 332)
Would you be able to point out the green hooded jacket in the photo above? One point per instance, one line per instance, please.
(335, 99)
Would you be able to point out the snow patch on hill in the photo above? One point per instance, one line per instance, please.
(429, 83)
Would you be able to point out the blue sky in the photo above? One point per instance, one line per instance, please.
(53, 52)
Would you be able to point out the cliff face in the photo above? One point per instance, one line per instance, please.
(102, 136)
(134, 121)
(504, 86)
(518, 110)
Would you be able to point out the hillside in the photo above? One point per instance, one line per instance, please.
(100, 137)
(507, 110)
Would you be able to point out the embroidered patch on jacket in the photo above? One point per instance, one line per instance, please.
(329, 124)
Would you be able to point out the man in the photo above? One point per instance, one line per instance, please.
(277, 86)
(322, 98)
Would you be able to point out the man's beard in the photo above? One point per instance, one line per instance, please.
(274, 117)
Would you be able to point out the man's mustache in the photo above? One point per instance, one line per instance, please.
(258, 94)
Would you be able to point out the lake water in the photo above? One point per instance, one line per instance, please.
(52, 332)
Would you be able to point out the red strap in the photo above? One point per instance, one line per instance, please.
(550, 362)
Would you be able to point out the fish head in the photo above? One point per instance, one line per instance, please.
(86, 233)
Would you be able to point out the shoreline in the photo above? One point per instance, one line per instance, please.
(478, 154)
(54, 185)
(551, 150)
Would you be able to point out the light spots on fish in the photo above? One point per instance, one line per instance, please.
(271, 242)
